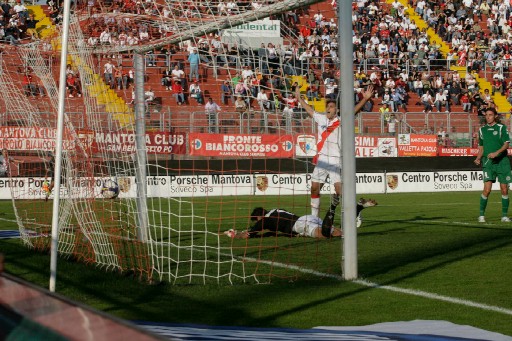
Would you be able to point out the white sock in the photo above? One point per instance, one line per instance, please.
(315, 206)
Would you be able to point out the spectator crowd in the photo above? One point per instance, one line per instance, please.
(392, 52)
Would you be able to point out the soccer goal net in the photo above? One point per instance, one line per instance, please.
(207, 167)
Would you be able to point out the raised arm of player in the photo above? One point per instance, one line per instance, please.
(303, 103)
(367, 94)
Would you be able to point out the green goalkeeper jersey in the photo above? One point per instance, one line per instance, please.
(492, 138)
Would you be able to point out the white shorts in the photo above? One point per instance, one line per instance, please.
(307, 225)
(323, 169)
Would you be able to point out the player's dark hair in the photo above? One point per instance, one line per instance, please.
(493, 110)
(258, 212)
(335, 103)
(331, 101)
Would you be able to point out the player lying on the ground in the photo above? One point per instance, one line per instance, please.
(289, 224)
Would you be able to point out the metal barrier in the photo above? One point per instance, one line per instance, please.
(247, 122)
(459, 127)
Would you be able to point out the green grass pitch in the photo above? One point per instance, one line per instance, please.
(428, 243)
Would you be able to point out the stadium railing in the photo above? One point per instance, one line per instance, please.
(275, 122)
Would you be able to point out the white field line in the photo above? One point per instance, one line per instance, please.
(365, 283)
(429, 295)
(435, 222)
(412, 292)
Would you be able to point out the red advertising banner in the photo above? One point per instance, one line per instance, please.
(459, 151)
(30, 138)
(417, 145)
(373, 146)
(463, 151)
(41, 138)
(159, 142)
(241, 145)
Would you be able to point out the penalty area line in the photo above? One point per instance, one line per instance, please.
(412, 292)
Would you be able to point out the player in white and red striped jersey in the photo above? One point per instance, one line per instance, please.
(328, 159)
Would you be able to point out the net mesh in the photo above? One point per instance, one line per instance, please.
(192, 199)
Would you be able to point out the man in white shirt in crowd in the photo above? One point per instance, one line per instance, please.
(212, 109)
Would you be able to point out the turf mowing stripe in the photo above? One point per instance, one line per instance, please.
(413, 292)
(425, 294)
(385, 287)
(9, 220)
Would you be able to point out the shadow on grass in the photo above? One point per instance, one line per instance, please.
(450, 246)
(130, 299)
(236, 305)
(210, 305)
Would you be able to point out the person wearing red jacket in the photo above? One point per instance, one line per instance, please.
(177, 91)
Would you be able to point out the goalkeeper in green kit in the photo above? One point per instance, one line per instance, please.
(493, 142)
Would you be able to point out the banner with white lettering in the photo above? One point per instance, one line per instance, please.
(241, 145)
(463, 151)
(159, 142)
(31, 139)
(366, 146)
(444, 151)
(372, 146)
(417, 145)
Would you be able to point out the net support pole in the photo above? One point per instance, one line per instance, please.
(58, 145)
(346, 83)
(140, 144)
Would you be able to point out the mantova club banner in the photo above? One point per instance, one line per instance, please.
(31, 139)
(158, 142)
(43, 139)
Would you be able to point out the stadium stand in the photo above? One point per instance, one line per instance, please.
(403, 48)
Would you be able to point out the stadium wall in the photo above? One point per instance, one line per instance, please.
(366, 165)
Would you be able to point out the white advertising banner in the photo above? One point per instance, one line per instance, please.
(208, 185)
(455, 181)
(254, 33)
(251, 184)
(285, 184)
(258, 28)
(31, 187)
(370, 183)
